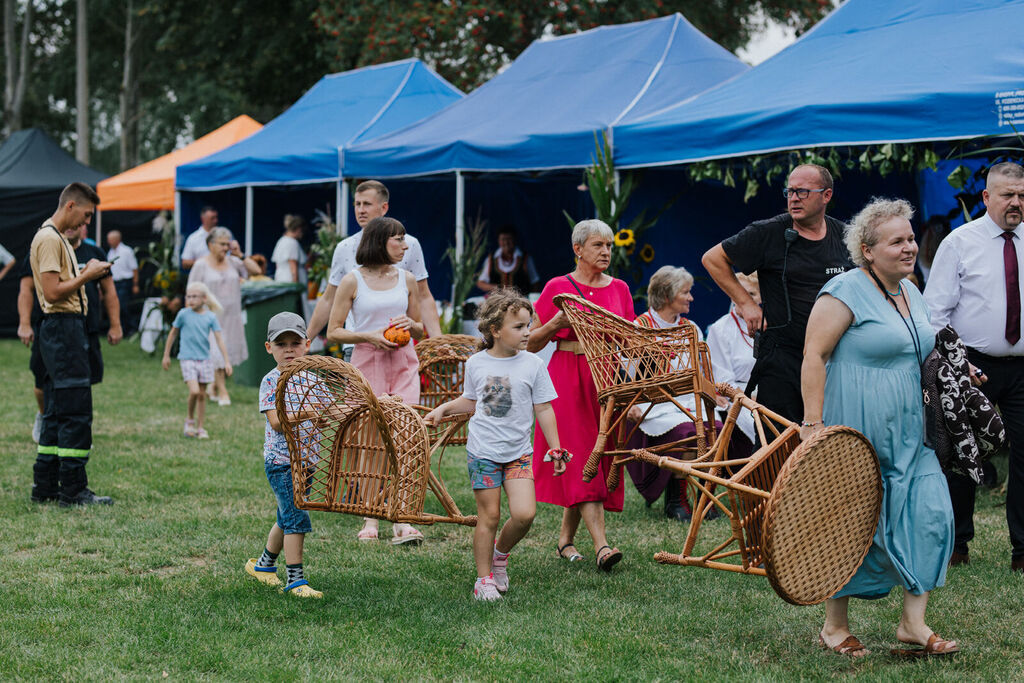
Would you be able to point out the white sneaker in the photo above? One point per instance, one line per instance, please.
(499, 572)
(37, 427)
(484, 589)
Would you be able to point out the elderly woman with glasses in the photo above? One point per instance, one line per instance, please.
(576, 408)
(668, 298)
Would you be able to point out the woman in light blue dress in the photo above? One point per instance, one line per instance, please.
(866, 338)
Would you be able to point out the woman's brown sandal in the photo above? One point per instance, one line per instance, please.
(935, 647)
(851, 646)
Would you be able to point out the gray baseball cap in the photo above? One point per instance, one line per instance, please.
(285, 322)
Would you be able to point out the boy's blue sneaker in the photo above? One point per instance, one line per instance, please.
(267, 575)
(301, 589)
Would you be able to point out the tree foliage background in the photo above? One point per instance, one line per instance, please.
(194, 65)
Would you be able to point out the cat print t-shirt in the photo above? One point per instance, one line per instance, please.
(505, 391)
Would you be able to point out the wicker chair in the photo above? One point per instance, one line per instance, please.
(633, 365)
(443, 373)
(802, 514)
(354, 453)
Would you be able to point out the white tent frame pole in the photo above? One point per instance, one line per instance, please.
(341, 210)
(177, 228)
(99, 228)
(460, 218)
(248, 220)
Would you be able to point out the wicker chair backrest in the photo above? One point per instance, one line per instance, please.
(443, 373)
(628, 360)
(349, 451)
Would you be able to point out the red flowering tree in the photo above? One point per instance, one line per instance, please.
(468, 41)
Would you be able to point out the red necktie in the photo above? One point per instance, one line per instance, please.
(1012, 289)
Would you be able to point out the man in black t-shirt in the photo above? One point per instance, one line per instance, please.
(96, 290)
(794, 254)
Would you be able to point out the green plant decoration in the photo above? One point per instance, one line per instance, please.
(464, 271)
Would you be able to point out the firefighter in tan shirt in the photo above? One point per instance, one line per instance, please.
(66, 437)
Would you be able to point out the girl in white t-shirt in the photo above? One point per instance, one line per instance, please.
(505, 388)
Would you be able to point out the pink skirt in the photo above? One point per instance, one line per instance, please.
(389, 371)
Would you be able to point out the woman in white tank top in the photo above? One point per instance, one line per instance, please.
(379, 295)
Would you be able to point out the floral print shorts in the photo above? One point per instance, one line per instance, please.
(487, 474)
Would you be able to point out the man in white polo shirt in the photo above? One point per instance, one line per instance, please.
(195, 245)
(371, 201)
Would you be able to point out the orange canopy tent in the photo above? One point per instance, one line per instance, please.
(150, 187)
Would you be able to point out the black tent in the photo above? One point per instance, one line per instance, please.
(33, 171)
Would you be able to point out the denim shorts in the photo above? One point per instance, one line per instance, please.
(487, 474)
(290, 519)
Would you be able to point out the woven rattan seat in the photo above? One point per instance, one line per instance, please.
(355, 453)
(634, 365)
(802, 514)
(443, 373)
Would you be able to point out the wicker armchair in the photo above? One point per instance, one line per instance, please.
(443, 373)
(802, 514)
(635, 365)
(354, 453)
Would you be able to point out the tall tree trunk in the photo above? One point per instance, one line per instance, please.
(17, 61)
(82, 82)
(129, 97)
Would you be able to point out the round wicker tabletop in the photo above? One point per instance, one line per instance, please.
(822, 515)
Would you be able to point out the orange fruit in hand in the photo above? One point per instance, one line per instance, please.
(397, 335)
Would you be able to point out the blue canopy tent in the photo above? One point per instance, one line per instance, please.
(873, 71)
(300, 147)
(542, 112)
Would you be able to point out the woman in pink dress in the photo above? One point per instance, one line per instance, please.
(576, 407)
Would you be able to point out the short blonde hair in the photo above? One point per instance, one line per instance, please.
(584, 230)
(665, 285)
(211, 301)
(863, 229)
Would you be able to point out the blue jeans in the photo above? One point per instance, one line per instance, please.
(290, 519)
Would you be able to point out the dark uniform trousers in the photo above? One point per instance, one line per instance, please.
(1005, 389)
(776, 375)
(66, 437)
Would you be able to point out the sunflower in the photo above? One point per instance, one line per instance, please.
(647, 253)
(625, 238)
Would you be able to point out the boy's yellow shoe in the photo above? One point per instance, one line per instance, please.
(267, 575)
(301, 589)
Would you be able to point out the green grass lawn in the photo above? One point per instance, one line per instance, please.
(153, 586)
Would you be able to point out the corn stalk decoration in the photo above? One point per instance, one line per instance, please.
(465, 268)
(611, 199)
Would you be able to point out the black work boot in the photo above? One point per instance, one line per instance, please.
(45, 479)
(85, 497)
(75, 485)
(675, 505)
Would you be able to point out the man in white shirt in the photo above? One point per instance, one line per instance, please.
(195, 245)
(975, 287)
(124, 268)
(288, 256)
(371, 201)
(7, 262)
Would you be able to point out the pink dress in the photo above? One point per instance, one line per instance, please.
(576, 409)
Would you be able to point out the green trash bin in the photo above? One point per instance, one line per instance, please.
(261, 301)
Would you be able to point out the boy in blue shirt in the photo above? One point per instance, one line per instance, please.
(286, 340)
